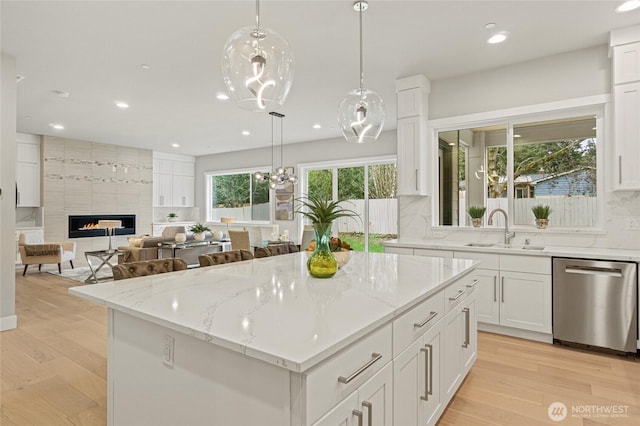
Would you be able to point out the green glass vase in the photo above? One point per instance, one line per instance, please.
(321, 263)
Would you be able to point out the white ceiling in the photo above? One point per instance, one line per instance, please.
(94, 50)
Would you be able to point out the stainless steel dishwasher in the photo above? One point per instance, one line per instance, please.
(595, 303)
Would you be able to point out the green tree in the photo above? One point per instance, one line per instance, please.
(383, 181)
(320, 183)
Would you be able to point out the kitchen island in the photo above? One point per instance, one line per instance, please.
(261, 342)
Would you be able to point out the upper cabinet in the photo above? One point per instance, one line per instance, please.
(412, 134)
(27, 170)
(173, 180)
(625, 47)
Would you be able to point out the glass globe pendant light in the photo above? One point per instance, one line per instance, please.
(279, 177)
(257, 67)
(361, 113)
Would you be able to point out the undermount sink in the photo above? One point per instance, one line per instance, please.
(479, 244)
(507, 246)
(532, 247)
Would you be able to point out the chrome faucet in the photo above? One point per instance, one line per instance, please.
(507, 235)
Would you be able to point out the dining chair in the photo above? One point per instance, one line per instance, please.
(239, 240)
(148, 267)
(211, 259)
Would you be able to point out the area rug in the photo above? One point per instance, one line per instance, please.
(82, 273)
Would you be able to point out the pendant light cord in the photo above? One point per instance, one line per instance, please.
(258, 14)
(361, 66)
(272, 165)
(281, 145)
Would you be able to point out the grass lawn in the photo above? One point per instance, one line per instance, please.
(356, 240)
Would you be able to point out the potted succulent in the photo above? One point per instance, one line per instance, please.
(322, 212)
(541, 214)
(198, 231)
(172, 217)
(476, 213)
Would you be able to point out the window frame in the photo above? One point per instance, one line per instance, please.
(596, 106)
(250, 171)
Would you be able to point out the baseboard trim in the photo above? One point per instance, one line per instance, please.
(515, 332)
(8, 323)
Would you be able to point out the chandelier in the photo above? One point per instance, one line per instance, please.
(257, 67)
(361, 113)
(280, 177)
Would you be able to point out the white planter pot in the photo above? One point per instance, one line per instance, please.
(181, 237)
(199, 236)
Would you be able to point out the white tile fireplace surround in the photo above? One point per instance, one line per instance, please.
(88, 178)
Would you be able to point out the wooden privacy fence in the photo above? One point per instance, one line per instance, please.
(383, 216)
(566, 211)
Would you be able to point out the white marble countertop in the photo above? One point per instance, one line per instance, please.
(517, 249)
(271, 309)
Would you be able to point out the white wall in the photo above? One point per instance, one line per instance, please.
(294, 154)
(8, 319)
(569, 75)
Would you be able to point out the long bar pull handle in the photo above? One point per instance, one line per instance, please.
(416, 179)
(467, 314)
(495, 288)
(369, 407)
(620, 169)
(502, 288)
(460, 293)
(431, 316)
(593, 270)
(428, 372)
(473, 284)
(358, 414)
(374, 357)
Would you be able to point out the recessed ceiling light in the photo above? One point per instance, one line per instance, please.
(57, 126)
(246, 133)
(222, 96)
(175, 145)
(145, 66)
(628, 5)
(122, 105)
(317, 126)
(497, 38)
(490, 25)
(593, 128)
(517, 136)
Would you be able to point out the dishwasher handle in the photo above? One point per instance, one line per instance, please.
(593, 270)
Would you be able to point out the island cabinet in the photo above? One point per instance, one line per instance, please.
(386, 341)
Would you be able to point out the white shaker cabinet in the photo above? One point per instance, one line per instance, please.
(627, 136)
(173, 181)
(626, 63)
(28, 170)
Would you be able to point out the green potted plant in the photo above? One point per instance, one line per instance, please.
(322, 212)
(476, 213)
(541, 214)
(172, 217)
(198, 231)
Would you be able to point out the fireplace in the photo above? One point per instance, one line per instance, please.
(82, 226)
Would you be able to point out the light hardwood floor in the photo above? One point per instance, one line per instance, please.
(53, 371)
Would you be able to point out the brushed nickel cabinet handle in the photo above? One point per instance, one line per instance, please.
(431, 316)
(467, 314)
(369, 407)
(495, 288)
(473, 284)
(358, 414)
(502, 288)
(374, 357)
(428, 371)
(620, 169)
(460, 293)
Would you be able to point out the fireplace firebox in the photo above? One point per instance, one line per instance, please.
(82, 226)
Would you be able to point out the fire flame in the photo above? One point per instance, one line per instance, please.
(90, 226)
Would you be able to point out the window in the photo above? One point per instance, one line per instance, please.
(369, 188)
(236, 194)
(517, 165)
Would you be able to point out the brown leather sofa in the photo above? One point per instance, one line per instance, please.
(148, 246)
(148, 267)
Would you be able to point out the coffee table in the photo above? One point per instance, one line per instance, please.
(104, 257)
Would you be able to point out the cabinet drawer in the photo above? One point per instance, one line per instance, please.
(487, 261)
(531, 264)
(459, 290)
(433, 253)
(417, 321)
(324, 383)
